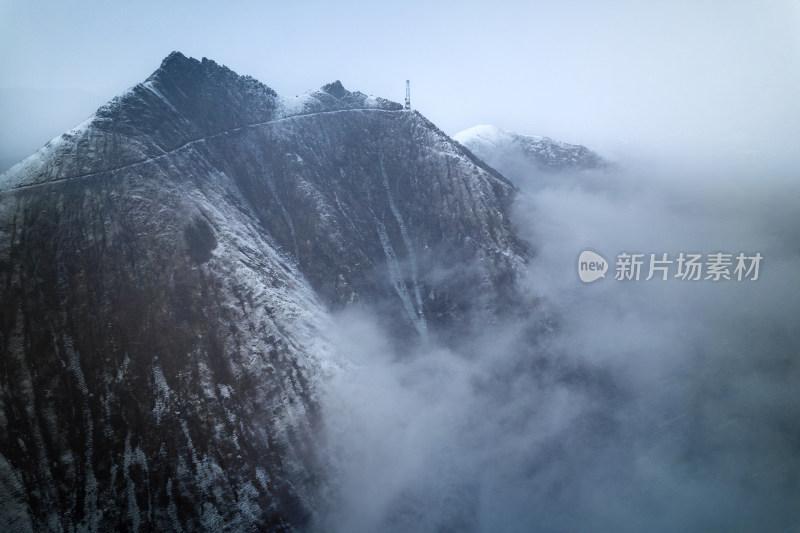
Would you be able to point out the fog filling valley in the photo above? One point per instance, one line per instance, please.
(611, 406)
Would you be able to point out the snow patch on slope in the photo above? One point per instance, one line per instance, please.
(484, 134)
(34, 164)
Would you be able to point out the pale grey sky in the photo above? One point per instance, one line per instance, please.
(662, 76)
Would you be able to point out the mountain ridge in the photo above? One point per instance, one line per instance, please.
(163, 89)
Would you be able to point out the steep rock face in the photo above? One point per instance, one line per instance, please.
(167, 268)
(157, 351)
(377, 206)
(521, 157)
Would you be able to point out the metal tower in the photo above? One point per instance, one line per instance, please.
(408, 95)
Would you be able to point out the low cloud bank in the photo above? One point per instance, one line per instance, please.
(614, 406)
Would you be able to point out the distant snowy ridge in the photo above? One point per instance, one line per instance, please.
(519, 157)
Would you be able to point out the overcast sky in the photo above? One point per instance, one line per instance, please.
(713, 75)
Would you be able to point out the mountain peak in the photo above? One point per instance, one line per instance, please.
(336, 89)
(334, 97)
(173, 58)
(186, 72)
(177, 66)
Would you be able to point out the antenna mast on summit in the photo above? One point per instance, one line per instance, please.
(408, 95)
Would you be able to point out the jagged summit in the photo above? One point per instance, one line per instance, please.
(185, 100)
(209, 96)
(175, 55)
(177, 61)
(334, 97)
(205, 75)
(336, 89)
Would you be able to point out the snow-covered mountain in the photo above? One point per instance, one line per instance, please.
(168, 268)
(526, 159)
